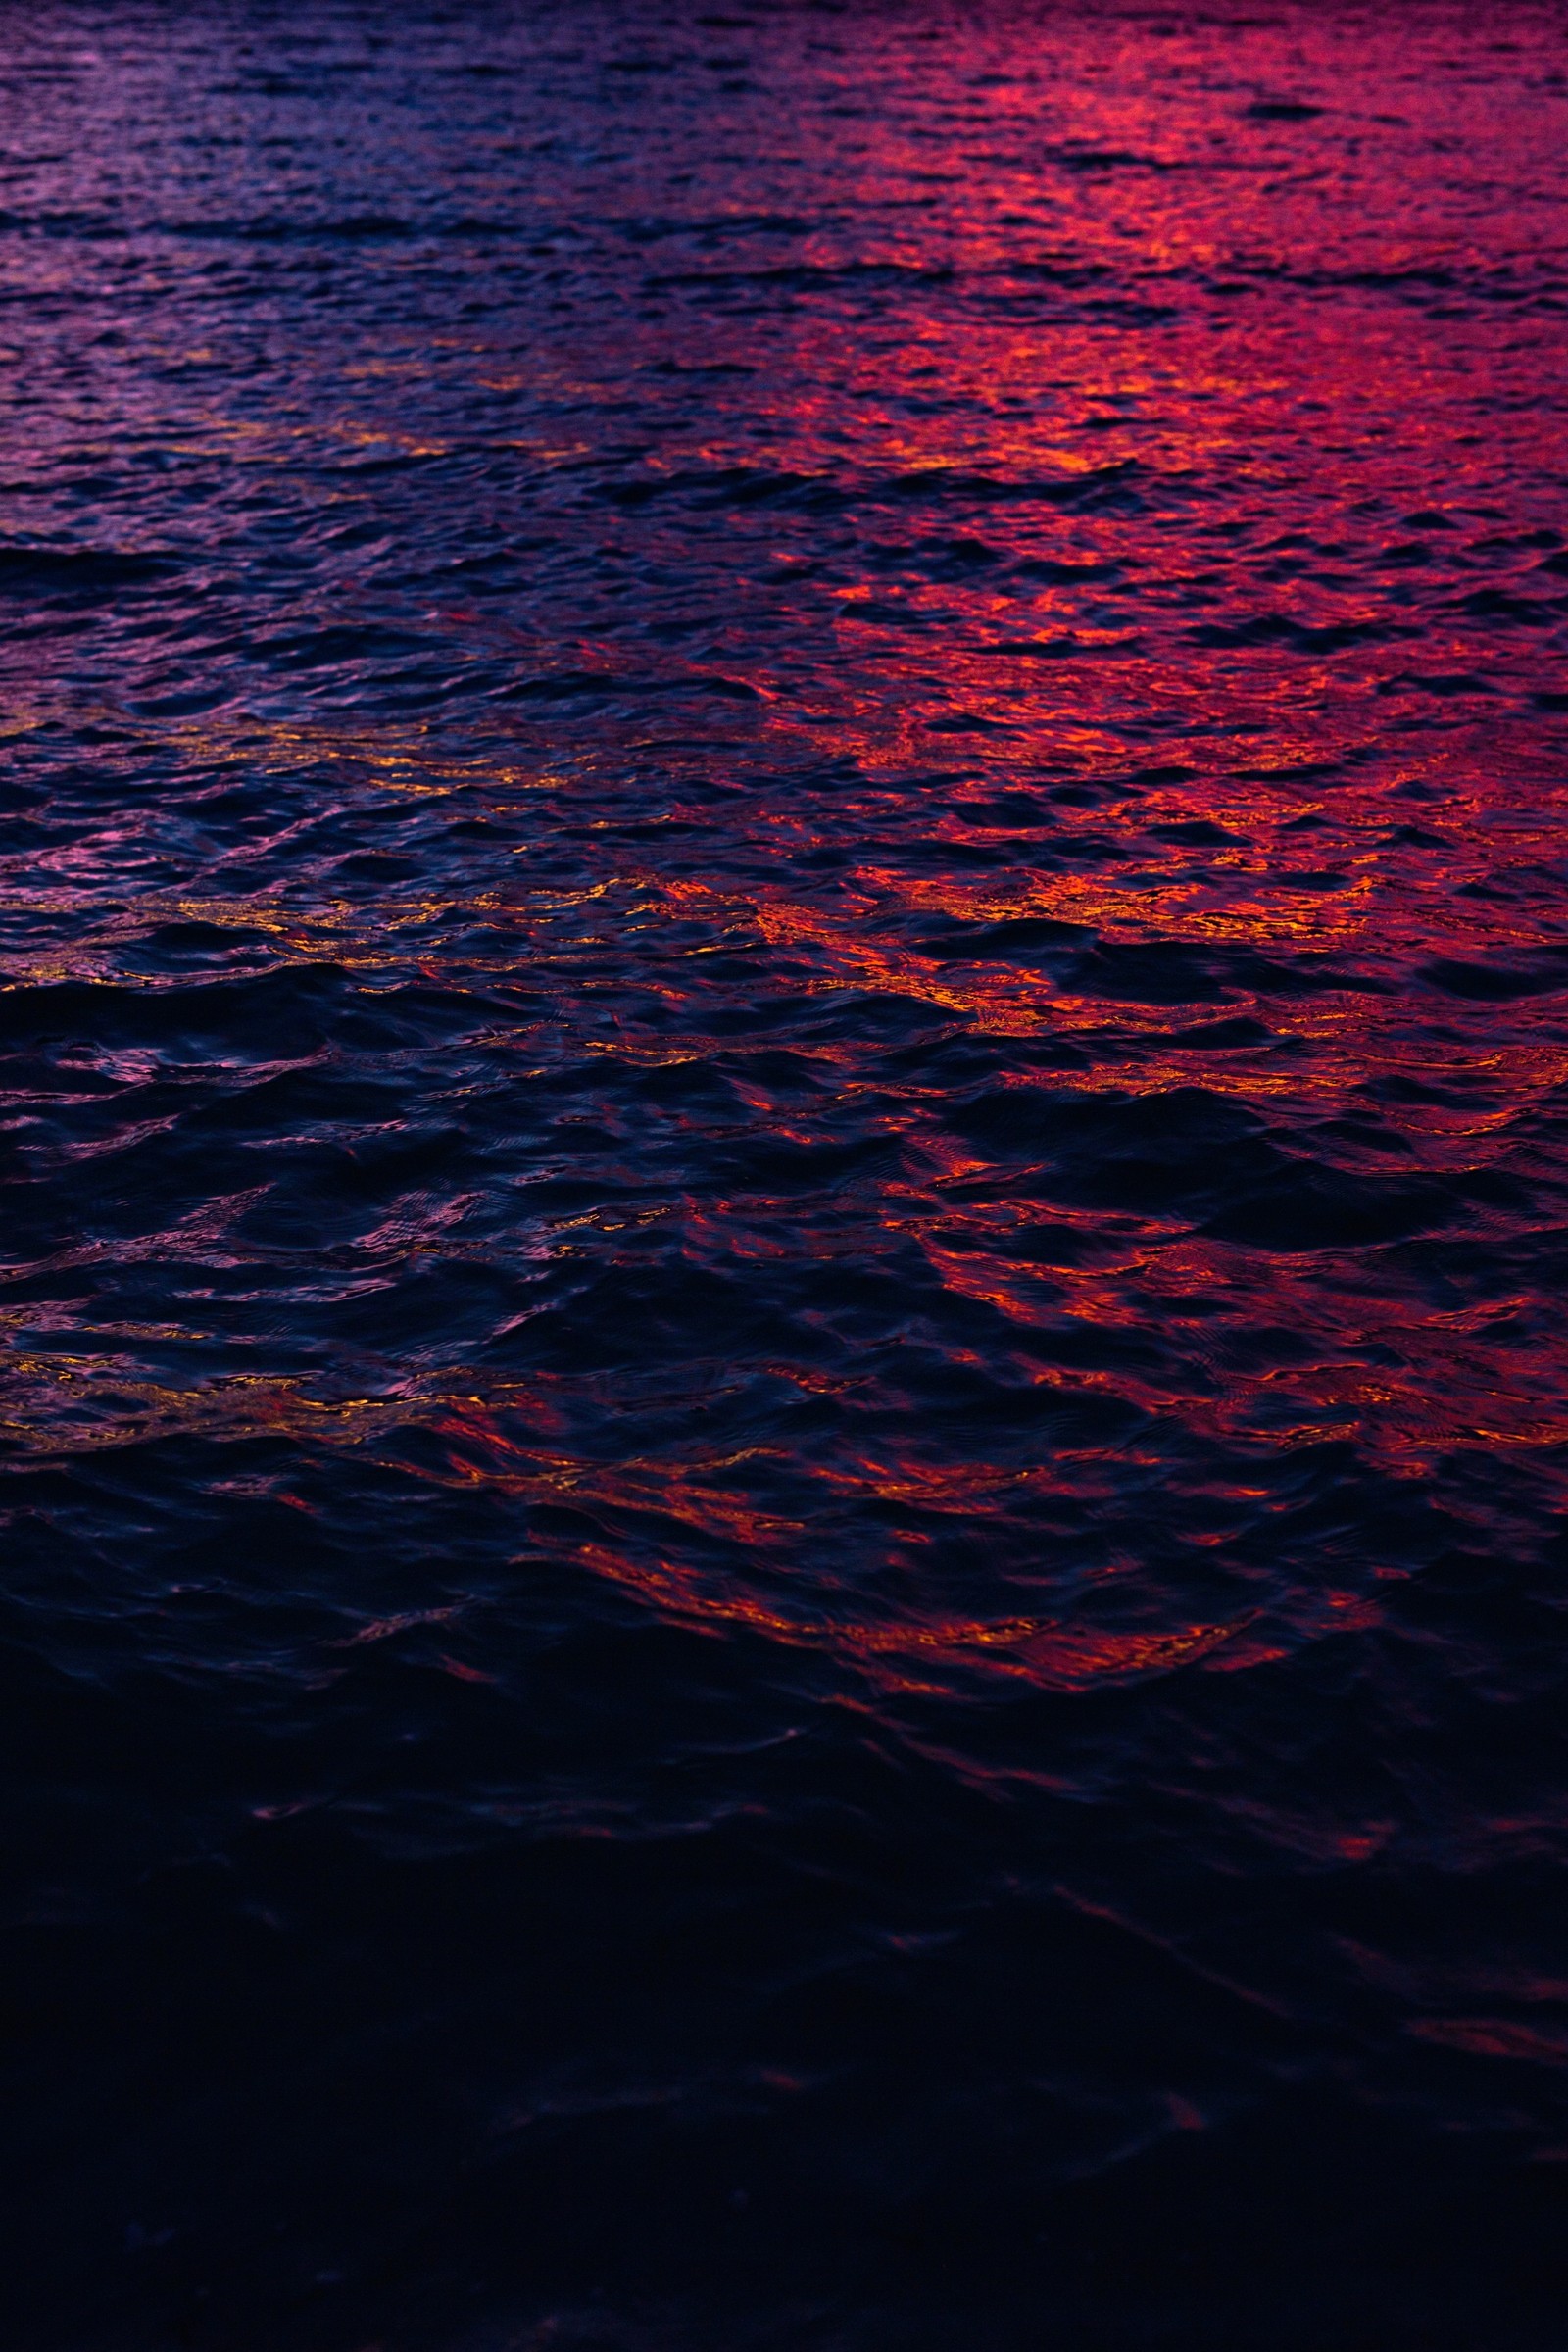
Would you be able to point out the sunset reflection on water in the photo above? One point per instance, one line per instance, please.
(783, 964)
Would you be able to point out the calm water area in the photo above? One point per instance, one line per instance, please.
(784, 1176)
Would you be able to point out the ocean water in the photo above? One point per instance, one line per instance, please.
(784, 991)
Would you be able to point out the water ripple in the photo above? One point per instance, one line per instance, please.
(783, 1057)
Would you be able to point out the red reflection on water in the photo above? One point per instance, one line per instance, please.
(1135, 460)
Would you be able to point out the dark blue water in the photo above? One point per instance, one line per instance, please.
(784, 991)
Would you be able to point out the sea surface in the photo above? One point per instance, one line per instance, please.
(784, 1202)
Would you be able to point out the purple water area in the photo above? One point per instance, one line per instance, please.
(782, 977)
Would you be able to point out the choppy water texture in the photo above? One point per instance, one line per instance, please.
(786, 1070)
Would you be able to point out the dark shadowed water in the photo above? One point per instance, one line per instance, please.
(785, 1191)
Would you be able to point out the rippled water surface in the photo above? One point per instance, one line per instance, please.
(785, 1399)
